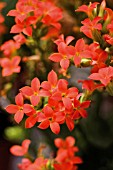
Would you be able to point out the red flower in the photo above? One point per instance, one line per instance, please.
(90, 85)
(108, 39)
(80, 109)
(49, 87)
(67, 143)
(66, 41)
(63, 56)
(67, 94)
(88, 9)
(64, 166)
(38, 164)
(10, 66)
(20, 27)
(99, 58)
(17, 109)
(49, 118)
(81, 51)
(21, 12)
(25, 164)
(51, 13)
(90, 26)
(20, 150)
(33, 91)
(105, 75)
(9, 47)
(20, 39)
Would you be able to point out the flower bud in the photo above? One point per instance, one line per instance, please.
(102, 7)
(85, 62)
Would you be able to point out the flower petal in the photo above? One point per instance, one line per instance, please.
(17, 150)
(56, 57)
(44, 124)
(69, 123)
(19, 116)
(12, 108)
(35, 84)
(55, 127)
(34, 100)
(52, 78)
(67, 103)
(30, 121)
(19, 99)
(64, 63)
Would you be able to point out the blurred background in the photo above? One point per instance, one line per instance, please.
(94, 135)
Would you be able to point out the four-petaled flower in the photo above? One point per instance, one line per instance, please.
(33, 91)
(20, 150)
(90, 26)
(105, 75)
(10, 66)
(17, 109)
(63, 56)
(88, 9)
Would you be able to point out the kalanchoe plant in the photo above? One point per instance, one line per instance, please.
(52, 102)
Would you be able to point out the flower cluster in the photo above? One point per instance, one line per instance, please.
(28, 163)
(10, 62)
(62, 105)
(65, 157)
(29, 13)
(97, 55)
